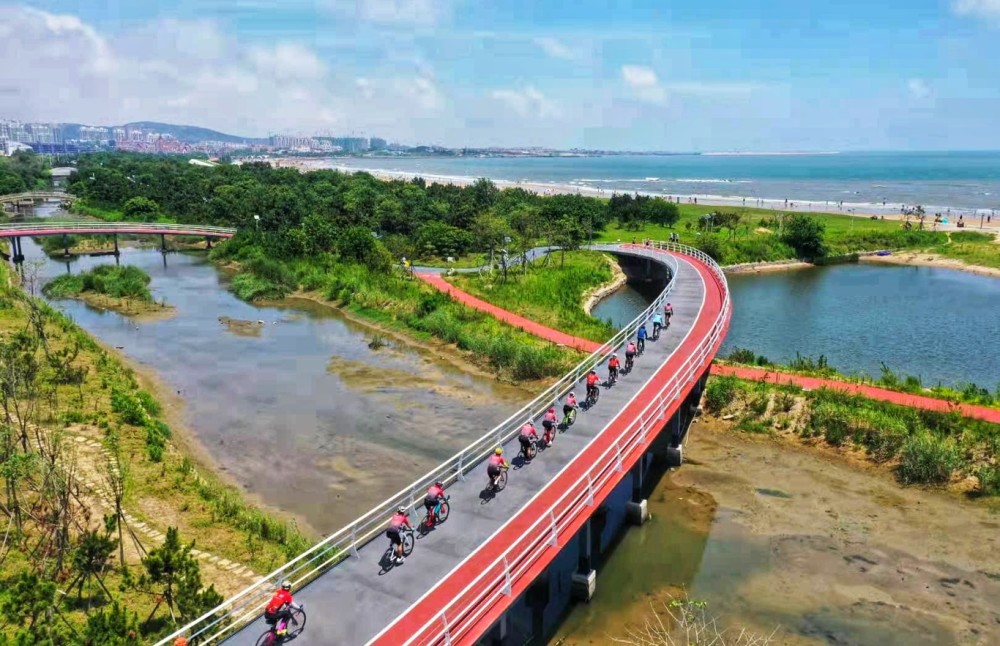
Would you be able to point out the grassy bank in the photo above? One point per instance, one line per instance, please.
(968, 393)
(920, 447)
(550, 293)
(394, 299)
(121, 289)
(94, 480)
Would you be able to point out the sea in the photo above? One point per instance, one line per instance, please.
(862, 182)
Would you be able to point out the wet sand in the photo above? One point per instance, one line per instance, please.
(825, 550)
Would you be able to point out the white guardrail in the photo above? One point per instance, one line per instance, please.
(468, 606)
(116, 227)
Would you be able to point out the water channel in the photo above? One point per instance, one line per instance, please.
(298, 410)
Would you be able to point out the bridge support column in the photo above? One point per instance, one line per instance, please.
(66, 245)
(636, 510)
(583, 584)
(163, 243)
(117, 253)
(208, 243)
(16, 254)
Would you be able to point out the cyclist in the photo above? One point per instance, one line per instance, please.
(629, 356)
(613, 366)
(592, 381)
(569, 406)
(495, 466)
(528, 433)
(399, 521)
(549, 422)
(668, 311)
(434, 495)
(640, 338)
(279, 608)
(657, 324)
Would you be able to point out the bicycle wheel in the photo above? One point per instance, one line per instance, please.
(267, 639)
(442, 514)
(571, 417)
(530, 451)
(502, 481)
(407, 543)
(297, 624)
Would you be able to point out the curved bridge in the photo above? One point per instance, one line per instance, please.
(36, 196)
(43, 228)
(464, 575)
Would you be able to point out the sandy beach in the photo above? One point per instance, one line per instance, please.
(889, 211)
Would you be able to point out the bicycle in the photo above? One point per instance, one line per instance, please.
(612, 377)
(406, 534)
(629, 362)
(271, 637)
(499, 481)
(569, 416)
(640, 347)
(438, 513)
(593, 394)
(656, 331)
(529, 450)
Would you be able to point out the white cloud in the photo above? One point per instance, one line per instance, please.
(708, 88)
(414, 12)
(918, 88)
(554, 48)
(528, 102)
(986, 9)
(58, 68)
(644, 83)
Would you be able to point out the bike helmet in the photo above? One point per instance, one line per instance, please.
(552, 409)
(286, 585)
(614, 355)
(439, 484)
(498, 451)
(572, 394)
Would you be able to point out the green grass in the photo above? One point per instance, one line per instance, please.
(110, 280)
(844, 234)
(972, 251)
(551, 294)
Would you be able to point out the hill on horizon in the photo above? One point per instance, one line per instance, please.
(190, 134)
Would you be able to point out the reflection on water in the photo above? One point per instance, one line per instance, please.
(939, 324)
(285, 411)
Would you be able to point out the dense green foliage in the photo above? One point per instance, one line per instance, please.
(804, 234)
(924, 447)
(111, 280)
(23, 171)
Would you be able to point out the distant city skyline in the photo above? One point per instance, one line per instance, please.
(803, 75)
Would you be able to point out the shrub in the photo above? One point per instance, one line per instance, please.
(989, 479)
(928, 459)
(720, 393)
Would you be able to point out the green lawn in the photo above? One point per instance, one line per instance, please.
(549, 294)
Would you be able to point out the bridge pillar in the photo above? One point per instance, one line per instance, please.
(115, 236)
(208, 243)
(66, 245)
(583, 583)
(163, 243)
(636, 510)
(17, 254)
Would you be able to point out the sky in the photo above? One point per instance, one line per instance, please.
(724, 75)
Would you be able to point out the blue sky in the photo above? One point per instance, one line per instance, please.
(724, 75)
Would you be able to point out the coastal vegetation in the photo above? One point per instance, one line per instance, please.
(23, 171)
(920, 447)
(99, 502)
(124, 289)
(967, 393)
(550, 292)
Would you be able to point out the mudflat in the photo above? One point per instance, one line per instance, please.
(826, 551)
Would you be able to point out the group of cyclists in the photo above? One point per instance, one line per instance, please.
(279, 610)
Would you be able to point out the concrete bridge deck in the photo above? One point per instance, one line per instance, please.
(358, 601)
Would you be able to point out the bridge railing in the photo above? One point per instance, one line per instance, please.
(248, 604)
(115, 227)
(496, 580)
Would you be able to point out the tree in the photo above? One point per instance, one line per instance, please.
(661, 212)
(805, 235)
(174, 577)
(491, 231)
(357, 244)
(114, 626)
(90, 560)
(527, 225)
(27, 599)
(141, 209)
(484, 194)
(567, 234)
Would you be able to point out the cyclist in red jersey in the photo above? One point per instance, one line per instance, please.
(613, 366)
(279, 609)
(495, 465)
(592, 381)
(528, 433)
(399, 521)
(549, 422)
(434, 495)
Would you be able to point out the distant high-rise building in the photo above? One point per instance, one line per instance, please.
(378, 143)
(351, 144)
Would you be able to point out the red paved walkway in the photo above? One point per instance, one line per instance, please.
(517, 321)
(872, 392)
(743, 372)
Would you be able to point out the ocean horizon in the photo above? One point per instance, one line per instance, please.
(877, 182)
